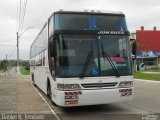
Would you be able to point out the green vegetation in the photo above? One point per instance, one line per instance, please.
(1, 71)
(3, 65)
(24, 70)
(140, 75)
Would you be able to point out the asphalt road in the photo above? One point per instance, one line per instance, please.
(17, 95)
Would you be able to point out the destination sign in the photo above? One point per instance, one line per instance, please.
(111, 33)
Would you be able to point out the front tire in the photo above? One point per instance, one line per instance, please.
(49, 94)
(33, 80)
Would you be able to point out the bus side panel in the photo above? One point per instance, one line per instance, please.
(41, 78)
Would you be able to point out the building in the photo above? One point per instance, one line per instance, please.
(148, 46)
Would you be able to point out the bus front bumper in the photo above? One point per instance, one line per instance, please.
(93, 97)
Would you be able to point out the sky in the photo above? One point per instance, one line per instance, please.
(138, 13)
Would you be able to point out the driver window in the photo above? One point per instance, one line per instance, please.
(51, 56)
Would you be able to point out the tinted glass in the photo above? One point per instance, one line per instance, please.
(40, 43)
(72, 52)
(118, 50)
(89, 22)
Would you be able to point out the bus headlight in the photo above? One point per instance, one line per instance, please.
(126, 84)
(68, 87)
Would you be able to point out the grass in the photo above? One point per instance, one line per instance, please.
(2, 70)
(24, 71)
(140, 75)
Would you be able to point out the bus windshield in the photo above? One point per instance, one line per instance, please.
(73, 52)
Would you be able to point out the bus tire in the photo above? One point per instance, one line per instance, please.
(49, 93)
(33, 80)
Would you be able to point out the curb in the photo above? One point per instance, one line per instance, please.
(153, 81)
(151, 72)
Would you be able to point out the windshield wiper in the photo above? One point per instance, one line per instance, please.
(86, 64)
(106, 55)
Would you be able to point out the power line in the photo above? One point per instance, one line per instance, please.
(20, 6)
(21, 12)
(11, 54)
(17, 17)
(21, 22)
(24, 13)
(21, 17)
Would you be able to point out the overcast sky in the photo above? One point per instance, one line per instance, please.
(138, 13)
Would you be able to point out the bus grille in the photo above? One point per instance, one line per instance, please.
(91, 85)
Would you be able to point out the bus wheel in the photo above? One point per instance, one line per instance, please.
(49, 92)
(33, 80)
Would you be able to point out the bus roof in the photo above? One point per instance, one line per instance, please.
(93, 12)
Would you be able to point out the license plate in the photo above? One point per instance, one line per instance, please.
(71, 97)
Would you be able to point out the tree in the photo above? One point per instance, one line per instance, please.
(3, 65)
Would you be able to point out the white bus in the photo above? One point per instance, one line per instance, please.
(83, 58)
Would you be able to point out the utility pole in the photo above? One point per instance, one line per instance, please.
(18, 37)
(17, 54)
